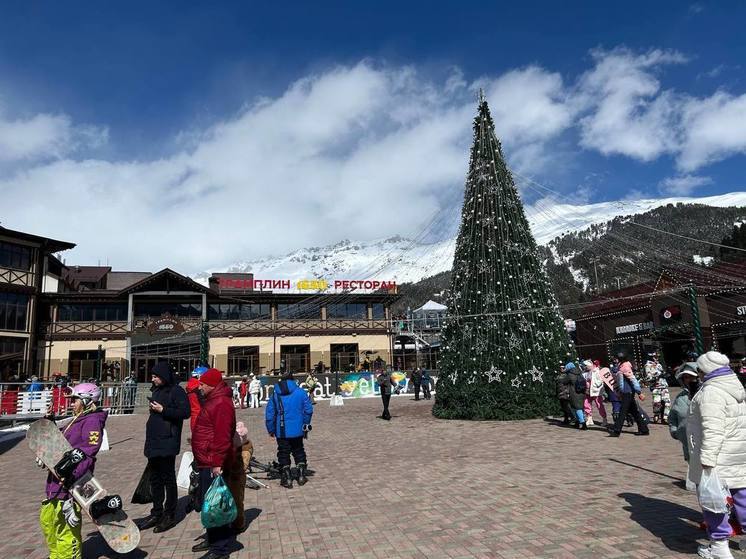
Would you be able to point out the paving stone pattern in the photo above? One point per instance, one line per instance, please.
(414, 487)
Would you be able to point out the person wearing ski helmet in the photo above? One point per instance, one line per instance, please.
(195, 396)
(60, 515)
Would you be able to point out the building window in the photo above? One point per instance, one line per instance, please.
(243, 360)
(156, 310)
(295, 358)
(347, 310)
(345, 357)
(379, 311)
(12, 351)
(91, 313)
(13, 311)
(17, 257)
(298, 310)
(82, 364)
(240, 311)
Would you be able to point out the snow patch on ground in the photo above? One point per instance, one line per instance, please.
(703, 260)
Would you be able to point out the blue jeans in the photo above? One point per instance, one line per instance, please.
(580, 415)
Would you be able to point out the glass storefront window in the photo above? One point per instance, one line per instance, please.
(12, 352)
(296, 358)
(347, 310)
(174, 309)
(298, 310)
(243, 360)
(379, 311)
(344, 357)
(91, 313)
(239, 311)
(13, 311)
(16, 257)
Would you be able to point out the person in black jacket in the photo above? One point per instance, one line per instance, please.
(169, 407)
(415, 377)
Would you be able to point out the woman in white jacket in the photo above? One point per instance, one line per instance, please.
(716, 429)
(255, 388)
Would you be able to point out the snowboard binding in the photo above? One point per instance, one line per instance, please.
(108, 505)
(66, 466)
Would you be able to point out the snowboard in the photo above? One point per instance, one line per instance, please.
(49, 444)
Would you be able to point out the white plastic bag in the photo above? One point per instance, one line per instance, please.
(185, 468)
(712, 493)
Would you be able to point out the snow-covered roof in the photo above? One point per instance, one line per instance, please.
(432, 306)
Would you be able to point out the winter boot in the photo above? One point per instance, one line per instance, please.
(589, 421)
(605, 423)
(717, 549)
(584, 426)
(302, 479)
(285, 479)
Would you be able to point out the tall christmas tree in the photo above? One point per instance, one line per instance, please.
(504, 339)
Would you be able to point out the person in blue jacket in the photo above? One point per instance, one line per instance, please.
(288, 419)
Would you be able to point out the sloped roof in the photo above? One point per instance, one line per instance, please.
(432, 306)
(720, 276)
(75, 275)
(48, 245)
(116, 281)
(167, 280)
(630, 297)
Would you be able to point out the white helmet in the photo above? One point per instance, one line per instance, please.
(87, 391)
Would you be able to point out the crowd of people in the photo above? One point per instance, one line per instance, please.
(219, 444)
(708, 418)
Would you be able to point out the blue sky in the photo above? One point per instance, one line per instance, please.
(299, 123)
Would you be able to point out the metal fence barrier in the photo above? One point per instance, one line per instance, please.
(16, 400)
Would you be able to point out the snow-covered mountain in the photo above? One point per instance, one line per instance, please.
(404, 260)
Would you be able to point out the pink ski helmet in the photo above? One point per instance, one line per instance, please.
(87, 391)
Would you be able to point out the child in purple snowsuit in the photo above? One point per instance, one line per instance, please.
(60, 514)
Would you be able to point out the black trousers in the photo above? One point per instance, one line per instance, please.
(416, 390)
(294, 446)
(629, 406)
(426, 390)
(163, 485)
(386, 399)
(220, 538)
(567, 409)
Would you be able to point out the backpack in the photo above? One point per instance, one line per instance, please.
(580, 385)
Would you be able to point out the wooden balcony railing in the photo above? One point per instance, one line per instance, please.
(84, 328)
(268, 327)
(17, 277)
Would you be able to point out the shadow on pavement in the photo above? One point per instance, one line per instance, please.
(96, 546)
(645, 469)
(657, 517)
(10, 442)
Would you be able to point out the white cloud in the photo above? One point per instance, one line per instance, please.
(626, 113)
(43, 136)
(683, 185)
(712, 129)
(357, 151)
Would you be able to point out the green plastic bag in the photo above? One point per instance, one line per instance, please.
(219, 507)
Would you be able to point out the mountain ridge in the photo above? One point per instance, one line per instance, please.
(403, 260)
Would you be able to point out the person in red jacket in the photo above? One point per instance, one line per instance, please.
(212, 446)
(194, 395)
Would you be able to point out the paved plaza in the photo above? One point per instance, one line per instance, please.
(414, 487)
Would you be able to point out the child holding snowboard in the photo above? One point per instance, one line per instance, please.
(60, 514)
